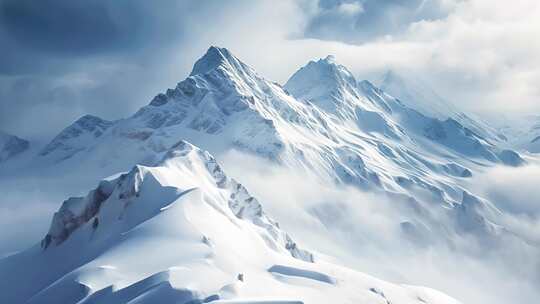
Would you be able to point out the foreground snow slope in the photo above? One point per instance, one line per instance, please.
(181, 231)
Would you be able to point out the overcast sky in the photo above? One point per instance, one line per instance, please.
(63, 59)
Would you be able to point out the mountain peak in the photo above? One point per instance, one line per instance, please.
(90, 121)
(146, 191)
(214, 57)
(330, 59)
(77, 136)
(11, 145)
(321, 80)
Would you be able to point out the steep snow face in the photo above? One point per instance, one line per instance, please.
(223, 98)
(449, 133)
(418, 95)
(11, 146)
(80, 135)
(326, 83)
(181, 231)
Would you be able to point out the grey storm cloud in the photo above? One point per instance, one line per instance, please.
(358, 21)
(39, 33)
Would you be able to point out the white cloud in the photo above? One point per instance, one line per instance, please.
(515, 192)
(362, 231)
(351, 8)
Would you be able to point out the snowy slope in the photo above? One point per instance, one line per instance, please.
(77, 137)
(181, 231)
(11, 146)
(524, 133)
(417, 94)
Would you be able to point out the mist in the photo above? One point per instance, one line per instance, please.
(362, 231)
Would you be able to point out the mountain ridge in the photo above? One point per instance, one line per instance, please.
(170, 212)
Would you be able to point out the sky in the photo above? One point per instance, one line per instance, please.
(63, 59)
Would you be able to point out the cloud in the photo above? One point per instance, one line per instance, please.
(515, 192)
(363, 231)
(26, 209)
(361, 21)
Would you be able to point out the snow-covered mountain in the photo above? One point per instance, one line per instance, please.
(225, 104)
(322, 122)
(417, 94)
(11, 146)
(181, 231)
(76, 137)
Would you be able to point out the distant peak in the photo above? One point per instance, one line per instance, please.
(180, 148)
(330, 67)
(330, 59)
(67, 141)
(318, 77)
(11, 145)
(89, 122)
(214, 57)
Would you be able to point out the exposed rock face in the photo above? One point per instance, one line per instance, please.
(76, 212)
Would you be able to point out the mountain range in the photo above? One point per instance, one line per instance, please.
(175, 228)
